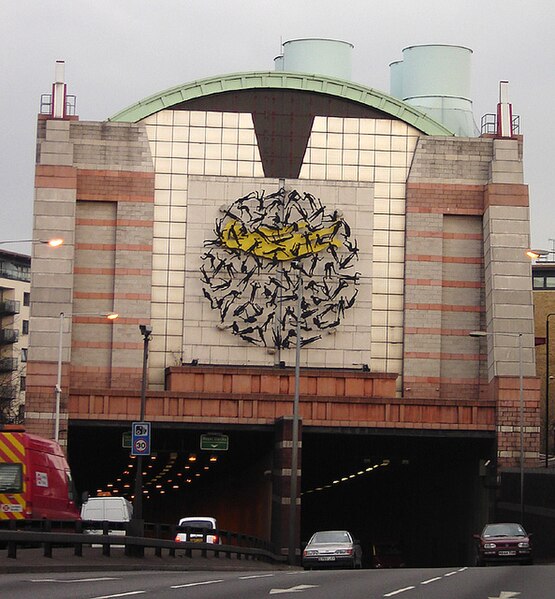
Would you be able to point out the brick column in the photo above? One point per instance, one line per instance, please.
(281, 485)
(508, 421)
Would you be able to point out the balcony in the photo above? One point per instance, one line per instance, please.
(8, 336)
(8, 364)
(9, 307)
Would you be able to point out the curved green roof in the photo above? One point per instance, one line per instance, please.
(282, 80)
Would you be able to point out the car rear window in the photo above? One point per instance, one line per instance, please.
(11, 479)
(331, 536)
(197, 523)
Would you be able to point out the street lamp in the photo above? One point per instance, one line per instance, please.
(54, 243)
(58, 388)
(292, 545)
(538, 254)
(136, 525)
(521, 403)
(547, 388)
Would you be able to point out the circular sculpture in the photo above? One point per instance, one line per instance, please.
(269, 248)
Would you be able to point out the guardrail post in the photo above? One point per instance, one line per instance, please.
(78, 550)
(105, 546)
(47, 549)
(204, 552)
(12, 549)
(228, 542)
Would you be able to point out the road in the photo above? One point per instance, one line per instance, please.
(502, 582)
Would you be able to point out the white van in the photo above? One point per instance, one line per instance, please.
(111, 509)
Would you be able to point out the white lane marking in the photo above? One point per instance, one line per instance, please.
(298, 589)
(431, 580)
(506, 595)
(462, 569)
(398, 591)
(119, 595)
(99, 579)
(255, 576)
(450, 573)
(194, 584)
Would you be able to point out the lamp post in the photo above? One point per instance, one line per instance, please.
(521, 408)
(58, 388)
(547, 388)
(137, 526)
(54, 243)
(292, 545)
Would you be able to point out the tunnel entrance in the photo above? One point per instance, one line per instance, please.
(424, 493)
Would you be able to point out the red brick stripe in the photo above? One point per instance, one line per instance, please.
(115, 186)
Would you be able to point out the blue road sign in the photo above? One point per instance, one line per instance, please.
(140, 438)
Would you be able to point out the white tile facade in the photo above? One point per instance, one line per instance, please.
(206, 159)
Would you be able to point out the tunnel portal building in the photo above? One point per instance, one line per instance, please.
(263, 219)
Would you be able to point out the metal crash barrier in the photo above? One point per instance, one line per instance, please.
(18, 535)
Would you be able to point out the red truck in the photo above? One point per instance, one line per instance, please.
(35, 479)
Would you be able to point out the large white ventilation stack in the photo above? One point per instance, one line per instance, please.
(316, 56)
(435, 78)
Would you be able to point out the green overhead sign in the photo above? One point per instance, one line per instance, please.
(214, 442)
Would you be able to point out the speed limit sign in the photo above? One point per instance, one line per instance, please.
(140, 438)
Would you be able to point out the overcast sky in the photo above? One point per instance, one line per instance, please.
(120, 51)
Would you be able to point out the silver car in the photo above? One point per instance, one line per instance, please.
(332, 549)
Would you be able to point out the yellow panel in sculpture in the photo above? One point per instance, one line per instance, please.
(288, 243)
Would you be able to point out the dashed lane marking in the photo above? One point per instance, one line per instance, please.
(62, 580)
(431, 580)
(119, 595)
(398, 591)
(194, 584)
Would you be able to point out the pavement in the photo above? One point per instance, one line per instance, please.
(64, 560)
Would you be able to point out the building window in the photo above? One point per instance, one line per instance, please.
(24, 354)
(25, 329)
(26, 298)
(22, 383)
(543, 279)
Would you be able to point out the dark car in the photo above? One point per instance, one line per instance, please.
(386, 555)
(503, 542)
(332, 549)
